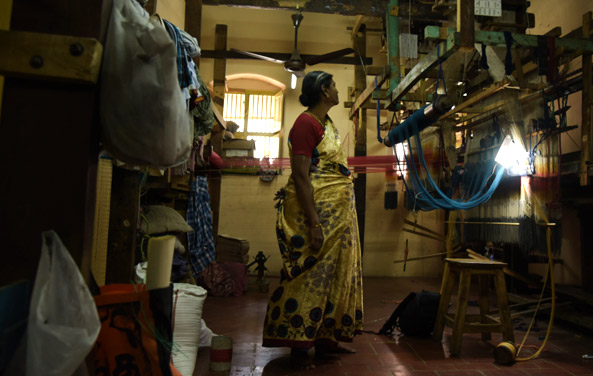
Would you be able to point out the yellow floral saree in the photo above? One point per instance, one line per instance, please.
(319, 299)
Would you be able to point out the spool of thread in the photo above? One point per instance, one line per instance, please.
(221, 353)
(160, 261)
(505, 353)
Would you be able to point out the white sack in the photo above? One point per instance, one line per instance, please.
(188, 300)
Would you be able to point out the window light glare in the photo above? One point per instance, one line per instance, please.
(293, 81)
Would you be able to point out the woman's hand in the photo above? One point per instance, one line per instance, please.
(316, 235)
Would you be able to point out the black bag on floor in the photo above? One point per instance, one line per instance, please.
(415, 315)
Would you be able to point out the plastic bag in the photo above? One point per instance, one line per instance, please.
(144, 118)
(63, 321)
(136, 334)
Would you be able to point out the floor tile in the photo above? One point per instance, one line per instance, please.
(377, 355)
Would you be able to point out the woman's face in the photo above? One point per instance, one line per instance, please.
(332, 93)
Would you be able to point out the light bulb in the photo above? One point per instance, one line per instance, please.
(512, 157)
(293, 82)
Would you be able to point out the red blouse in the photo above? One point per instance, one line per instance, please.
(305, 135)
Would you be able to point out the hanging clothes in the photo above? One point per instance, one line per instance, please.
(183, 71)
(199, 217)
(187, 47)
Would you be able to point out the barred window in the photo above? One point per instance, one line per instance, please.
(259, 116)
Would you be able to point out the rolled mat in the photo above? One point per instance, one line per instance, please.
(221, 353)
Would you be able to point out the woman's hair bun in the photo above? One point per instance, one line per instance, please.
(304, 99)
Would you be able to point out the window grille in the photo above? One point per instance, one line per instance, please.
(259, 117)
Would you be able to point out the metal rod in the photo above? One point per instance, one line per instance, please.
(423, 228)
(422, 234)
(500, 223)
(423, 257)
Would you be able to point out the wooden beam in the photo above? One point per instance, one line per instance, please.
(477, 98)
(357, 25)
(369, 105)
(69, 132)
(218, 116)
(465, 24)
(423, 234)
(5, 13)
(51, 57)
(380, 94)
(417, 96)
(416, 225)
(496, 39)
(375, 71)
(360, 146)
(370, 8)
(586, 159)
(220, 44)
(366, 94)
(375, 8)
(440, 254)
(392, 21)
(223, 54)
(419, 71)
(123, 222)
(193, 20)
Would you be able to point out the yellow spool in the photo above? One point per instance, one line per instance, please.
(505, 353)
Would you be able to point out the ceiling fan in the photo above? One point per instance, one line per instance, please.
(296, 64)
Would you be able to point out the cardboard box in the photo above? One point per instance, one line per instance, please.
(232, 249)
(238, 148)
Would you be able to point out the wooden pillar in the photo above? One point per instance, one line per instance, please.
(215, 181)
(49, 143)
(193, 19)
(5, 12)
(123, 221)
(465, 24)
(360, 148)
(393, 42)
(587, 102)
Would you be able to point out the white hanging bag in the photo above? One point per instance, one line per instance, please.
(144, 118)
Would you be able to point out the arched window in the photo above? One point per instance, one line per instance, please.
(255, 103)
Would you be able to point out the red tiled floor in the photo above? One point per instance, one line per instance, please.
(242, 318)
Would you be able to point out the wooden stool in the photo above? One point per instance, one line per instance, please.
(462, 322)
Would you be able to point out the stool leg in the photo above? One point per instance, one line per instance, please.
(445, 276)
(506, 324)
(484, 304)
(462, 299)
(446, 288)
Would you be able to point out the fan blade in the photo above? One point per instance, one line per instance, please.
(258, 56)
(329, 56)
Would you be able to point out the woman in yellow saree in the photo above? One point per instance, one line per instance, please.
(319, 300)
